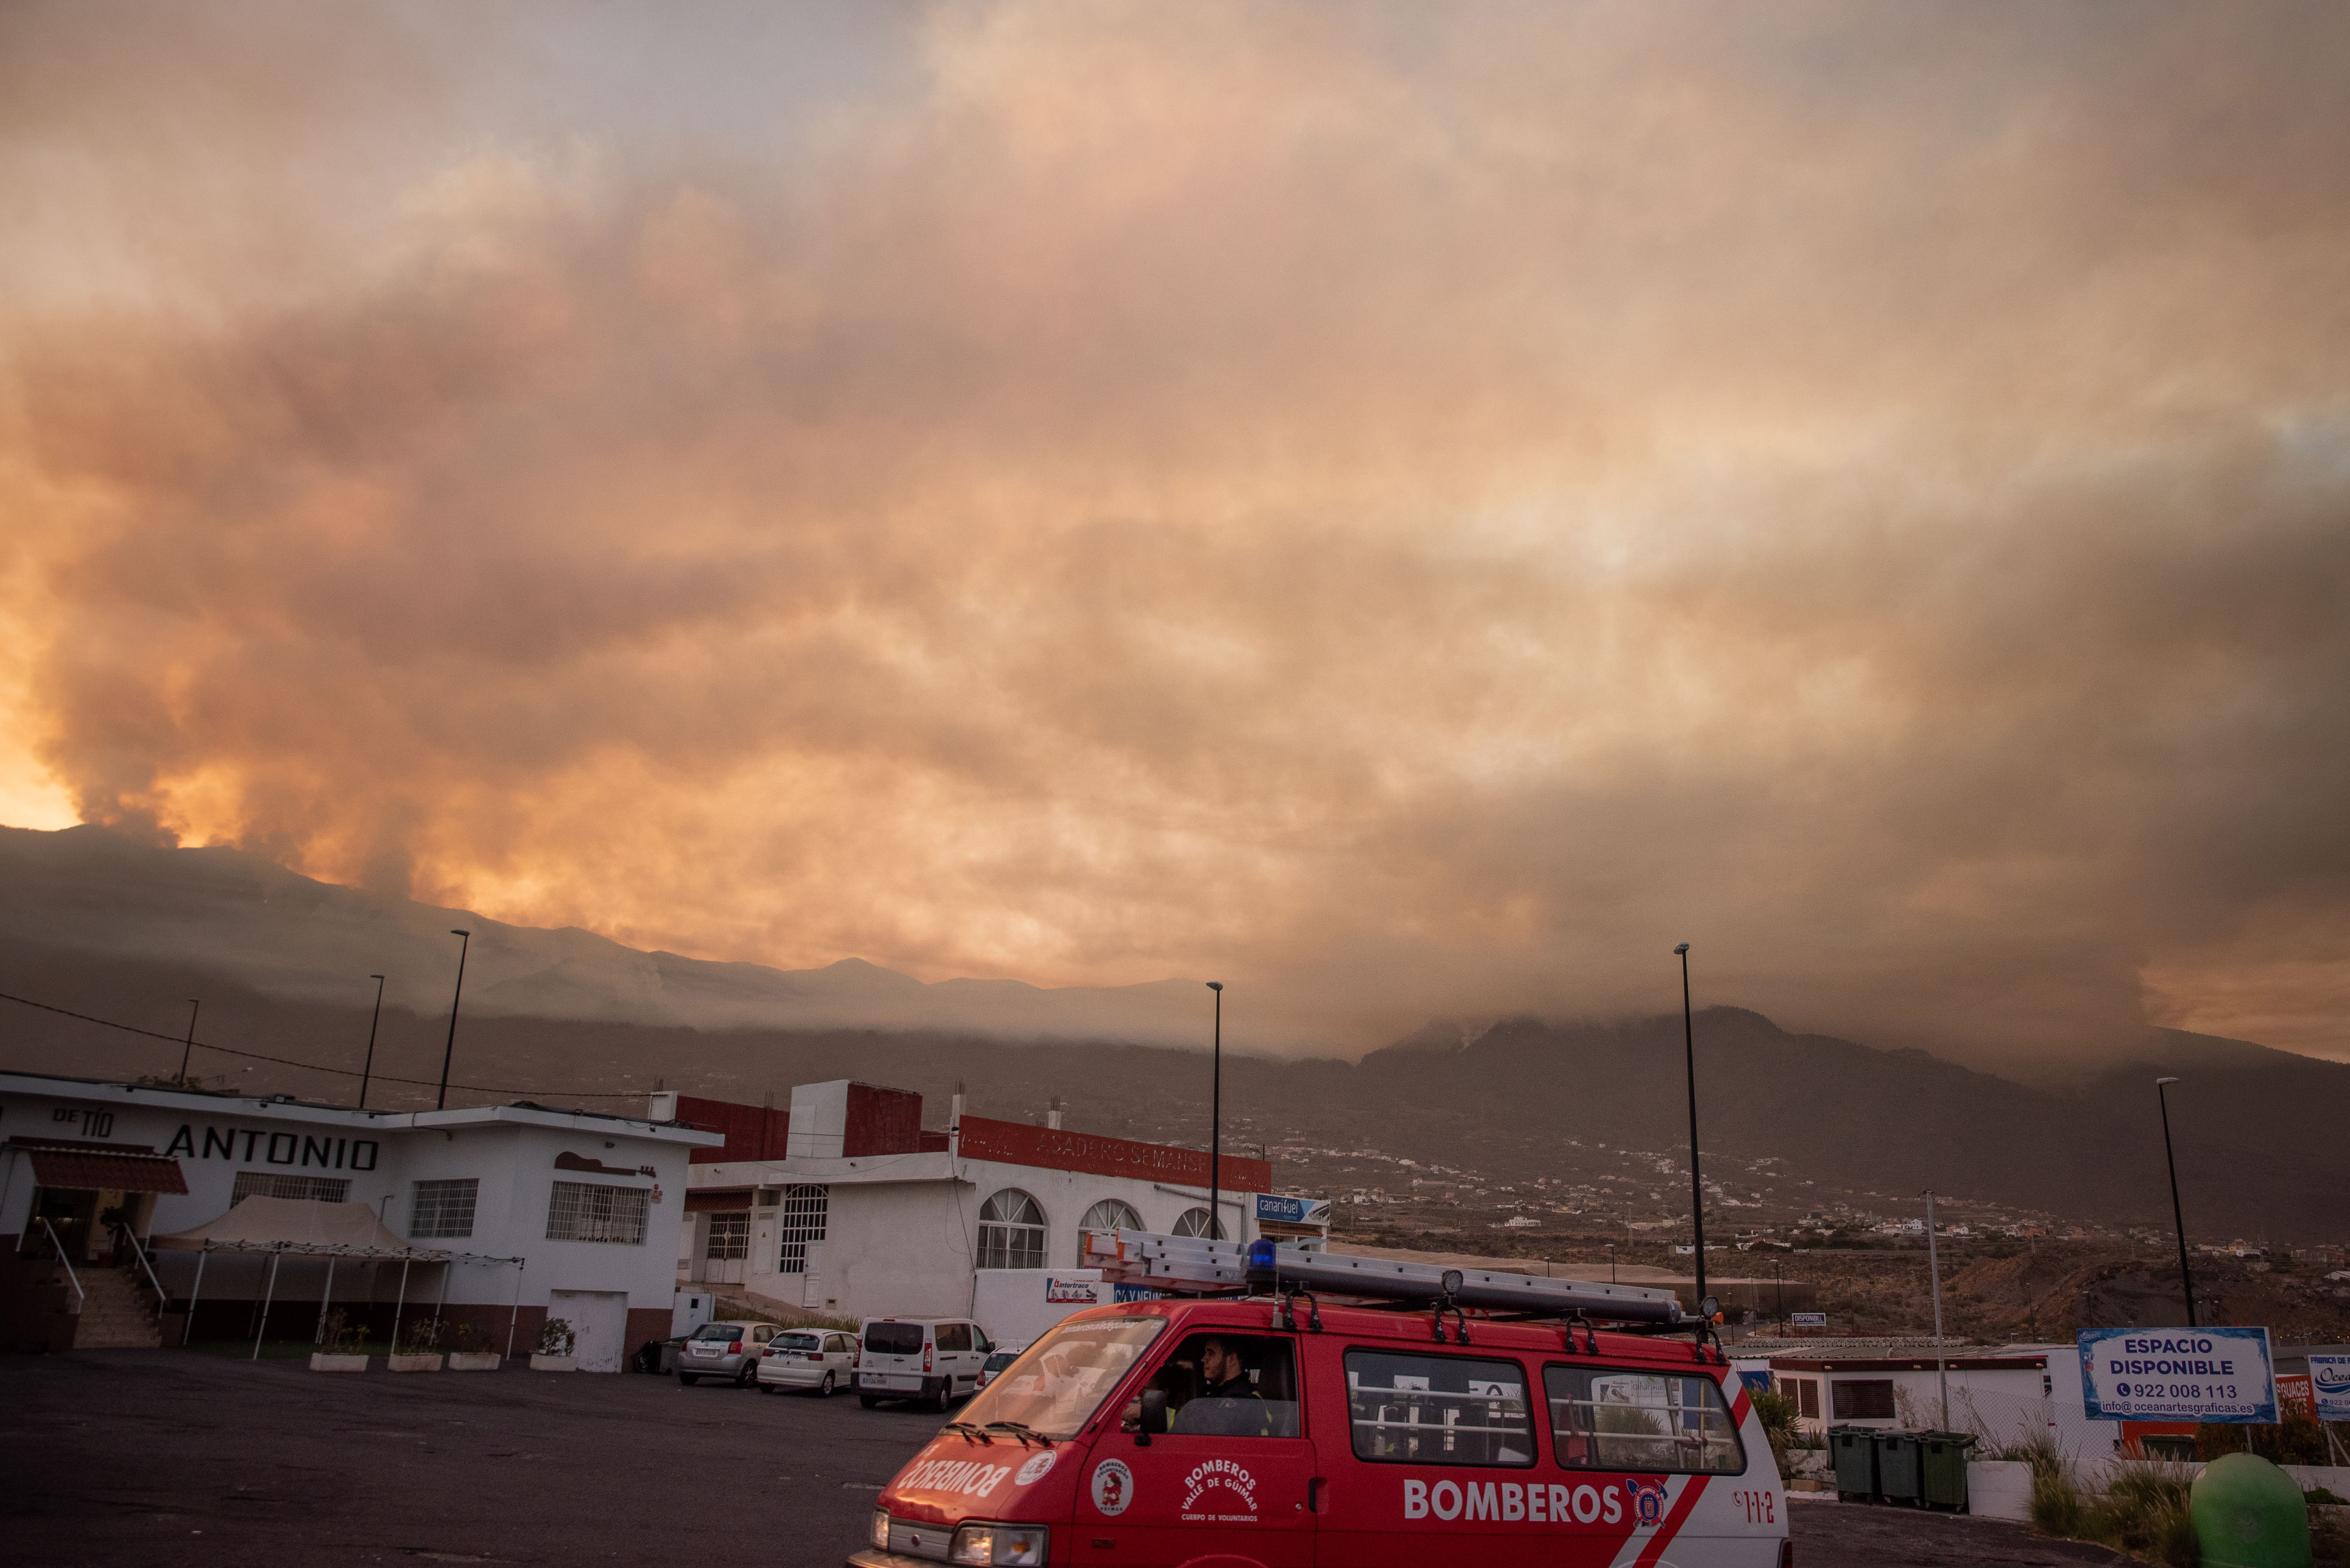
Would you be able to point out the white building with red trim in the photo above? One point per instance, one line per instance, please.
(844, 1204)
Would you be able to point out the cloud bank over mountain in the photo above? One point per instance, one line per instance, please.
(1409, 513)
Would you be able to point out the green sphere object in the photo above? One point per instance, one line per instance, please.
(2249, 1514)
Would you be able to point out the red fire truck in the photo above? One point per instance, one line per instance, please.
(1260, 1426)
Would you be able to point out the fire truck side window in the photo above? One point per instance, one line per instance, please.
(1230, 1385)
(1617, 1418)
(1438, 1409)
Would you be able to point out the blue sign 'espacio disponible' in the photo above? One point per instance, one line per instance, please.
(2178, 1374)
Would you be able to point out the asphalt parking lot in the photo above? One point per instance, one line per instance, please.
(163, 1458)
(160, 1458)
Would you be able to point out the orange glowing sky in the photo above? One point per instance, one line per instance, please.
(1412, 511)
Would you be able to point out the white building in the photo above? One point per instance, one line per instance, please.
(2001, 1394)
(845, 1205)
(565, 1213)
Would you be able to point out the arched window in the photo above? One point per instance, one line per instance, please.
(1194, 1222)
(1010, 1231)
(1109, 1214)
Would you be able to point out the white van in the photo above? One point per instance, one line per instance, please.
(928, 1360)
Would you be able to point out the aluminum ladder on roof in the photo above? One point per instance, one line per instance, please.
(1196, 1264)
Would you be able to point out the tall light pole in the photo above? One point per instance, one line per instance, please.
(1216, 1118)
(1934, 1277)
(462, 949)
(369, 1067)
(1696, 1179)
(195, 1007)
(2178, 1219)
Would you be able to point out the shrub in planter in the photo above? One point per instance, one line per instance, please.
(419, 1349)
(341, 1347)
(470, 1350)
(556, 1344)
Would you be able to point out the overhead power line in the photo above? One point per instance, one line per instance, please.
(316, 1067)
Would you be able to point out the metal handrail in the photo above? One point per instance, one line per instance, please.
(65, 1264)
(138, 1250)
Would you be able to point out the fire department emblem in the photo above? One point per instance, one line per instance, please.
(1113, 1486)
(1034, 1470)
(1647, 1502)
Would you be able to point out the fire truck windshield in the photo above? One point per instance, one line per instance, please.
(1055, 1388)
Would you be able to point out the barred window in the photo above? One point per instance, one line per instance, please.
(1438, 1409)
(443, 1208)
(806, 1210)
(269, 1184)
(1010, 1231)
(730, 1237)
(1619, 1419)
(589, 1211)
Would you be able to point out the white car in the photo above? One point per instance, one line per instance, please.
(822, 1359)
(930, 1361)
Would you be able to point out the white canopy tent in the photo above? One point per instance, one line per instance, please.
(314, 1229)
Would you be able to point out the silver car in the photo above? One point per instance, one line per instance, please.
(818, 1359)
(728, 1350)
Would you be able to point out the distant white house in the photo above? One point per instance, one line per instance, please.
(543, 1212)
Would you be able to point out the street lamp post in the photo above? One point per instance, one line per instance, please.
(462, 949)
(370, 1066)
(1216, 1118)
(188, 1050)
(2178, 1219)
(1697, 1177)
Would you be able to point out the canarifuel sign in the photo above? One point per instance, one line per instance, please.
(2178, 1374)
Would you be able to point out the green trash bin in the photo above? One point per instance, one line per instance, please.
(1853, 1451)
(1945, 1468)
(1899, 1467)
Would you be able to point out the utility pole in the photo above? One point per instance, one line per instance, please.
(2178, 1219)
(1697, 1178)
(188, 1050)
(450, 1050)
(369, 1067)
(1934, 1271)
(1216, 1118)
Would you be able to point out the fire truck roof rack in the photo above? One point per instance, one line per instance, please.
(1202, 1266)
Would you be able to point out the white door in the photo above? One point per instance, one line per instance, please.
(601, 1320)
(812, 1286)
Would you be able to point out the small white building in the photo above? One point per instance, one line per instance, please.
(546, 1213)
(2001, 1395)
(844, 1204)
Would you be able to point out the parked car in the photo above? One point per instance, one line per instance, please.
(728, 1350)
(1002, 1356)
(818, 1358)
(930, 1361)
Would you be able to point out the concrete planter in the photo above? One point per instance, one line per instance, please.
(554, 1363)
(321, 1361)
(415, 1363)
(474, 1360)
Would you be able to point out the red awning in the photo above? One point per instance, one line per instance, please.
(110, 1170)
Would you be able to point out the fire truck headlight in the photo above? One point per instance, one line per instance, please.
(880, 1531)
(1000, 1545)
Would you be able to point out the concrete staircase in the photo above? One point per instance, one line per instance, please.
(116, 1315)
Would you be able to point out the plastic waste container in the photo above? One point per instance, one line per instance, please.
(1943, 1478)
(2249, 1514)
(1853, 1451)
(1899, 1467)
